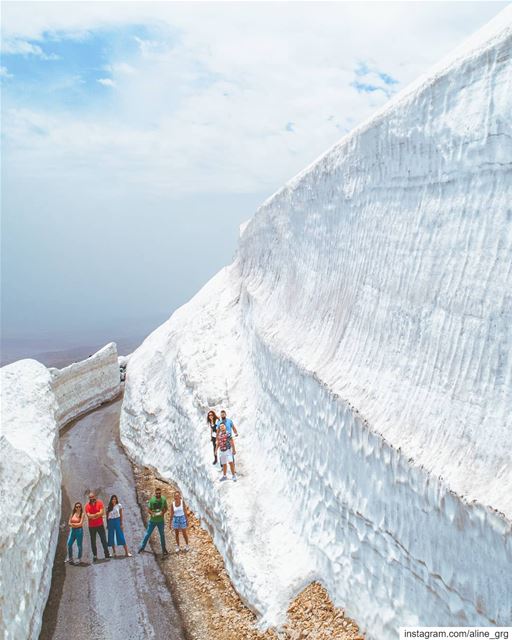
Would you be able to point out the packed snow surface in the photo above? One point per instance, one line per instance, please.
(30, 482)
(362, 341)
(85, 385)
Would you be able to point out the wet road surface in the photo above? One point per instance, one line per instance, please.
(120, 599)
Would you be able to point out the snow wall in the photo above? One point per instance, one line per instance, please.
(30, 499)
(362, 341)
(36, 402)
(85, 385)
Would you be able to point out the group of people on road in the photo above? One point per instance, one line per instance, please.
(222, 432)
(94, 513)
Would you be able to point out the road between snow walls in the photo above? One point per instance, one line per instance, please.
(361, 343)
(82, 600)
(36, 403)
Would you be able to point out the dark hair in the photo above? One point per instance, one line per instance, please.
(215, 417)
(75, 509)
(110, 505)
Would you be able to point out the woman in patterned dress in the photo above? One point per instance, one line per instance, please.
(179, 520)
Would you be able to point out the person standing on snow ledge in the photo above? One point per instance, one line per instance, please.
(213, 421)
(226, 446)
(230, 427)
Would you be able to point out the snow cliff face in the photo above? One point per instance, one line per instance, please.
(85, 385)
(362, 341)
(30, 481)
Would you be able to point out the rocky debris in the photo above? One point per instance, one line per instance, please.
(207, 601)
(312, 615)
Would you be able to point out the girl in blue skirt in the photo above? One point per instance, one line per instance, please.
(115, 526)
(179, 520)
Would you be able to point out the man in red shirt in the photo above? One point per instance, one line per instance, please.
(95, 511)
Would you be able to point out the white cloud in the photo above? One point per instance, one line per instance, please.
(121, 68)
(22, 47)
(204, 106)
(4, 73)
(107, 82)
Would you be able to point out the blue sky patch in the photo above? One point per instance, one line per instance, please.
(387, 79)
(364, 87)
(369, 79)
(66, 72)
(362, 69)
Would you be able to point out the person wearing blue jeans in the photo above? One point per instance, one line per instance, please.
(157, 509)
(149, 531)
(76, 531)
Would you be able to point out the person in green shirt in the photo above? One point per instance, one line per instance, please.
(157, 509)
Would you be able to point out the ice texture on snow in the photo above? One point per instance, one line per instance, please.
(85, 385)
(362, 341)
(30, 480)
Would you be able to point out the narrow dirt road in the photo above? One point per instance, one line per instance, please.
(120, 599)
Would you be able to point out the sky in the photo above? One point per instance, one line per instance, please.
(138, 136)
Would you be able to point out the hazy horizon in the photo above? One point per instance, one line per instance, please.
(59, 348)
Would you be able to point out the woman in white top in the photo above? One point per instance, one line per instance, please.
(179, 520)
(115, 526)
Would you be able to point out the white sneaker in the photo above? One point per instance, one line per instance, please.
(223, 478)
(177, 548)
(186, 547)
(234, 478)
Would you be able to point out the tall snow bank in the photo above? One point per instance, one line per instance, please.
(85, 385)
(361, 340)
(30, 481)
